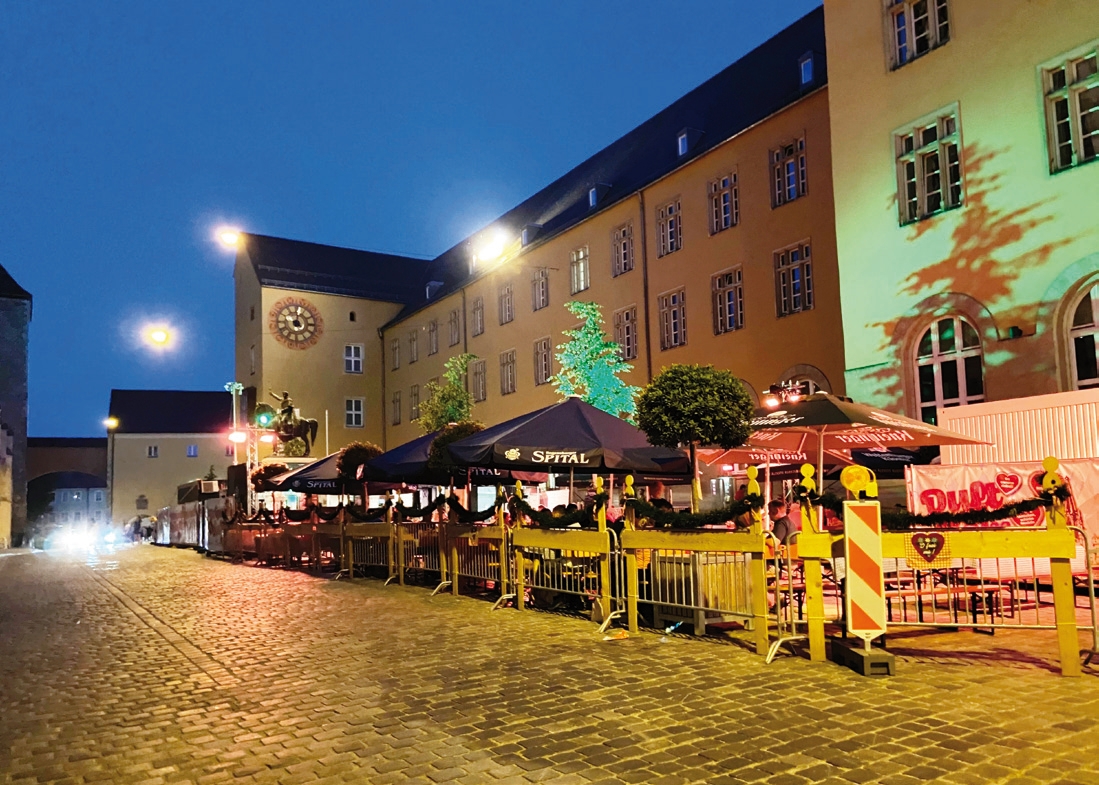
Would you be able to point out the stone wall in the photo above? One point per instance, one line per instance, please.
(14, 332)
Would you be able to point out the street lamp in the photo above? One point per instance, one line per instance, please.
(229, 237)
(111, 423)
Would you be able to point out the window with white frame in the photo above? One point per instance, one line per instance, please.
(229, 453)
(507, 372)
(673, 318)
(414, 402)
(805, 69)
(789, 173)
(682, 144)
(395, 419)
(455, 324)
(478, 381)
(433, 336)
(622, 250)
(192, 450)
(949, 367)
(929, 167)
(507, 305)
(543, 361)
(1084, 329)
(580, 270)
(478, 315)
(625, 332)
(413, 346)
(669, 228)
(539, 289)
(353, 412)
(916, 27)
(152, 451)
(395, 353)
(728, 291)
(1072, 110)
(97, 496)
(353, 358)
(794, 279)
(724, 203)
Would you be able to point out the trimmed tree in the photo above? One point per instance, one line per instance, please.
(450, 401)
(351, 458)
(438, 457)
(695, 405)
(591, 366)
(265, 472)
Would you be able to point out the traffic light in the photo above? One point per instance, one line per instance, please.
(264, 415)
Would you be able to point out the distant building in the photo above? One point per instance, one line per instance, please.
(163, 439)
(15, 317)
(48, 454)
(67, 498)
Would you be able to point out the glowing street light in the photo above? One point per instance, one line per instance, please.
(111, 423)
(238, 437)
(228, 237)
(267, 438)
(493, 247)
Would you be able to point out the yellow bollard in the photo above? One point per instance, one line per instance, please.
(811, 568)
(604, 559)
(758, 573)
(520, 579)
(1064, 596)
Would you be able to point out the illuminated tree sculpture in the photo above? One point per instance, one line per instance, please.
(450, 401)
(591, 366)
(695, 405)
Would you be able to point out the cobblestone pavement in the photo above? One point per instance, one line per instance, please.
(161, 666)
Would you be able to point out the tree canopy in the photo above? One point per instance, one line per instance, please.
(695, 405)
(591, 366)
(353, 456)
(438, 457)
(450, 401)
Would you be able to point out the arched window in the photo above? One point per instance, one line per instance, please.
(1085, 327)
(949, 366)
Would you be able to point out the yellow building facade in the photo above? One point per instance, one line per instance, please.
(965, 133)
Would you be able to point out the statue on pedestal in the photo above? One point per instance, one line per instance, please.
(288, 425)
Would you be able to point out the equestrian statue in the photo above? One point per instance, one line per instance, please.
(288, 425)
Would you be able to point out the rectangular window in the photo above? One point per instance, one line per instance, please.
(669, 228)
(433, 336)
(1072, 110)
(252, 359)
(192, 450)
(478, 326)
(507, 307)
(455, 324)
(580, 270)
(916, 27)
(414, 402)
(625, 332)
(413, 346)
(794, 279)
(681, 144)
(724, 203)
(539, 289)
(229, 451)
(728, 289)
(396, 419)
(673, 318)
(788, 172)
(929, 167)
(97, 496)
(251, 313)
(477, 377)
(622, 250)
(153, 451)
(353, 412)
(543, 361)
(353, 358)
(395, 353)
(805, 68)
(507, 372)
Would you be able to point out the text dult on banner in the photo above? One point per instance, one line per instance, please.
(865, 595)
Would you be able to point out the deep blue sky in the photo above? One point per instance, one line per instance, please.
(129, 130)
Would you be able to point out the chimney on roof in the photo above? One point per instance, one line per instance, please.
(431, 288)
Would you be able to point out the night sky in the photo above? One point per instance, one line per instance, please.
(128, 131)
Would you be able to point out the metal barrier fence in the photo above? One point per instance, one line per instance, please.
(369, 545)
(482, 554)
(420, 550)
(573, 562)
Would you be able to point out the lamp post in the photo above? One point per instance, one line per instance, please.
(235, 389)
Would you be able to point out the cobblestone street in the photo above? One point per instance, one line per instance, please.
(153, 666)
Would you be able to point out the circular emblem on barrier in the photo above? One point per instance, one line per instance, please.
(512, 454)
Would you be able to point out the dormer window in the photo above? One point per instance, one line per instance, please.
(805, 68)
(682, 143)
(530, 233)
(593, 197)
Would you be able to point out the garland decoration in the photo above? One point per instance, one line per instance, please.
(547, 519)
(670, 519)
(373, 515)
(465, 516)
(902, 520)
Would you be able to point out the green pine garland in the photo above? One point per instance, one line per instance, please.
(465, 516)
(902, 520)
(670, 519)
(547, 519)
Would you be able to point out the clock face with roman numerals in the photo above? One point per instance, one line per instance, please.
(295, 322)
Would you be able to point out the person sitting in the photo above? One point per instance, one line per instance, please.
(782, 526)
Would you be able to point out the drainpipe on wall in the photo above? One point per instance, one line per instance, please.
(382, 408)
(645, 287)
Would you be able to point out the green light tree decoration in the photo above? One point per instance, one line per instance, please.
(450, 401)
(693, 406)
(591, 366)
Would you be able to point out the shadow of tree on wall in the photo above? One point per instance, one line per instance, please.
(984, 262)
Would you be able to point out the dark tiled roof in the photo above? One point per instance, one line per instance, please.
(171, 411)
(80, 442)
(55, 480)
(759, 84)
(9, 289)
(293, 264)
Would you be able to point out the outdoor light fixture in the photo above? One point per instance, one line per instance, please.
(267, 438)
(111, 423)
(492, 248)
(783, 392)
(228, 237)
(238, 437)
